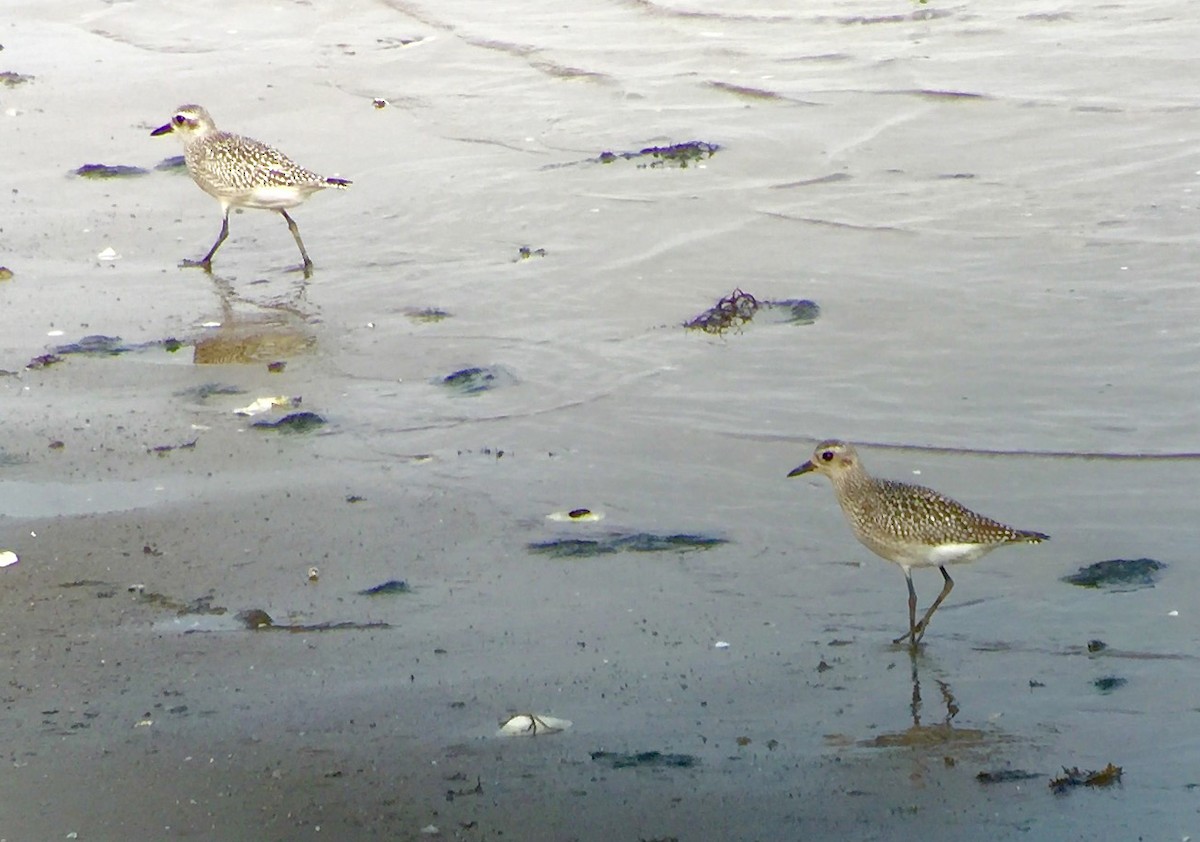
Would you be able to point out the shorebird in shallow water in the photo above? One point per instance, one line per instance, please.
(242, 172)
(909, 525)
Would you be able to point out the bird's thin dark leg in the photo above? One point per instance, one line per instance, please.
(946, 588)
(308, 265)
(912, 611)
(205, 262)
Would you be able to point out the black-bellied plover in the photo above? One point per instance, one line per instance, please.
(909, 525)
(242, 172)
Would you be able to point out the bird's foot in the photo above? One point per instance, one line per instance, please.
(205, 264)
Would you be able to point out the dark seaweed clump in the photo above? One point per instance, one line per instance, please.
(1119, 574)
(733, 310)
(677, 154)
(644, 759)
(636, 542)
(296, 422)
(477, 379)
(1073, 777)
(739, 307)
(10, 79)
(389, 588)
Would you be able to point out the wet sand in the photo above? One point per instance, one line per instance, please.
(1002, 249)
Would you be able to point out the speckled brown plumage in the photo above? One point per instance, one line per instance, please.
(909, 525)
(242, 172)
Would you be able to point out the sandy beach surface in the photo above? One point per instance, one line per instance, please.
(991, 214)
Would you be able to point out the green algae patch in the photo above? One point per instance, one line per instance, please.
(103, 171)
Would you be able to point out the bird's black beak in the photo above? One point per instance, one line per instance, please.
(803, 469)
(161, 130)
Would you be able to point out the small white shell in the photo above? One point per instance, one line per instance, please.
(7, 558)
(531, 725)
(109, 253)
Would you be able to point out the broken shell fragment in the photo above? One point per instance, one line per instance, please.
(262, 405)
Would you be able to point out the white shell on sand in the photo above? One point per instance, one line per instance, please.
(531, 725)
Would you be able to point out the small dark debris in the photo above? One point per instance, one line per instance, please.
(171, 344)
(677, 154)
(207, 390)
(1004, 776)
(1108, 683)
(57, 444)
(108, 171)
(10, 79)
(823, 666)
(164, 449)
(1073, 777)
(427, 314)
(1094, 646)
(645, 759)
(254, 619)
(743, 741)
(151, 550)
(575, 514)
(175, 163)
(388, 588)
(637, 542)
(43, 361)
(1118, 574)
(296, 422)
(277, 366)
(1034, 684)
(525, 252)
(355, 498)
(451, 794)
(202, 605)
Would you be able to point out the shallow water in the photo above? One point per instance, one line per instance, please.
(995, 210)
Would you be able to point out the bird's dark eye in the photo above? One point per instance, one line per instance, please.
(827, 456)
(180, 119)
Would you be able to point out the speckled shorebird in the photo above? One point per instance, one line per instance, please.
(909, 525)
(242, 172)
